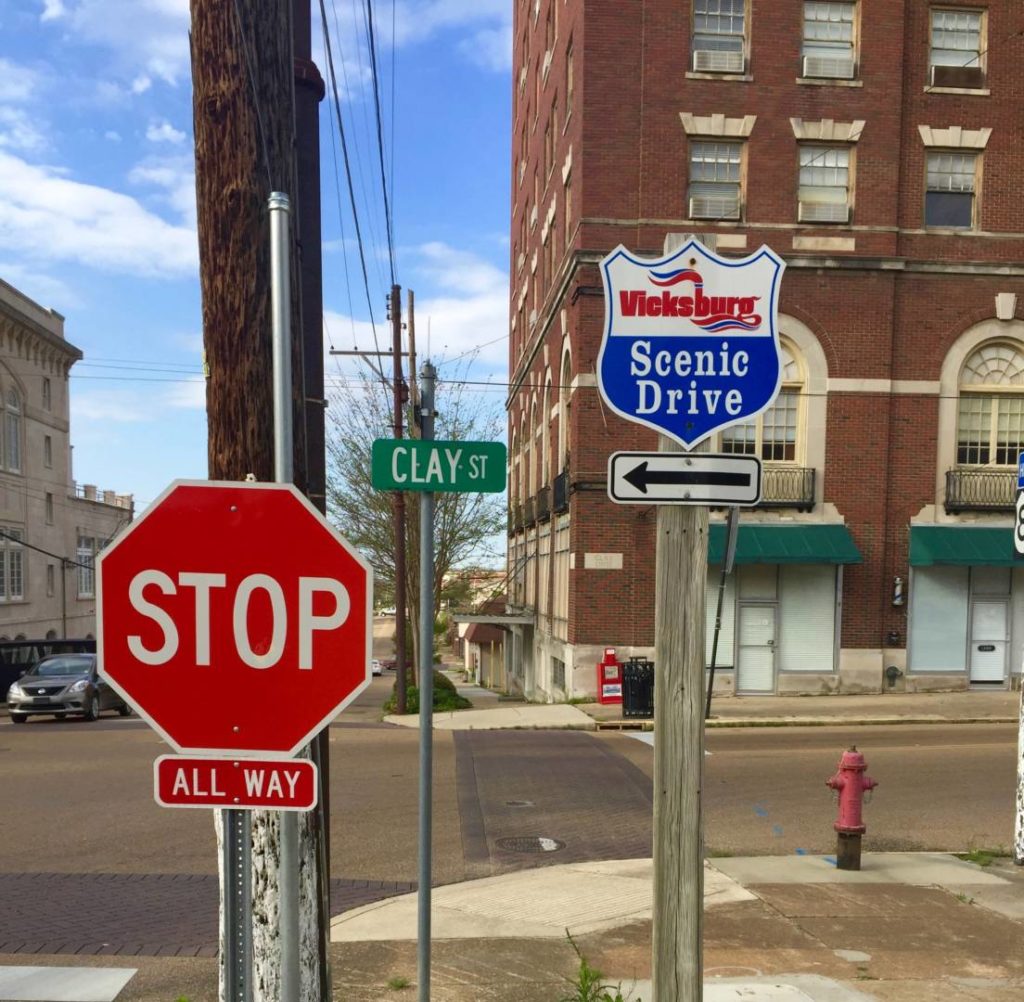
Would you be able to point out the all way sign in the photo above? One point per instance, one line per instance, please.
(237, 784)
(457, 467)
(683, 478)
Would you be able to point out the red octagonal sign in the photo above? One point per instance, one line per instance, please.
(234, 618)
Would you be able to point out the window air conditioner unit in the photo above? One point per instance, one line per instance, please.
(714, 61)
(714, 207)
(965, 77)
(828, 67)
(824, 212)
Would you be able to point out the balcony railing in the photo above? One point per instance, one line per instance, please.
(980, 490)
(787, 487)
(530, 512)
(544, 504)
(560, 492)
(515, 518)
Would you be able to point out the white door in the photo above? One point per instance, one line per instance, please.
(989, 641)
(755, 663)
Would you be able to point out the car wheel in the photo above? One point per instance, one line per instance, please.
(92, 711)
(124, 710)
(18, 718)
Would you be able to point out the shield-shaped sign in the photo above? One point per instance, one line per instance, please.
(691, 341)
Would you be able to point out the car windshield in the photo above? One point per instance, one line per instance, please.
(71, 664)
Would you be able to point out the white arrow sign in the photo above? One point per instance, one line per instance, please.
(1018, 528)
(683, 478)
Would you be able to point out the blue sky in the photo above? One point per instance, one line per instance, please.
(97, 212)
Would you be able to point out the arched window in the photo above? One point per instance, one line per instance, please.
(563, 413)
(533, 447)
(774, 436)
(545, 438)
(990, 409)
(12, 421)
(51, 634)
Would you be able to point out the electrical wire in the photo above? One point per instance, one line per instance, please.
(255, 94)
(380, 135)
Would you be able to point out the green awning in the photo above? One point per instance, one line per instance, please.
(786, 544)
(963, 545)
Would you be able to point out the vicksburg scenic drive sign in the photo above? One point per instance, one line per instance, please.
(238, 623)
(691, 340)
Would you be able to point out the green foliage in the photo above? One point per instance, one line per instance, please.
(983, 857)
(445, 697)
(589, 984)
(398, 982)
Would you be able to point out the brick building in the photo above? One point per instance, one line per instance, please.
(878, 149)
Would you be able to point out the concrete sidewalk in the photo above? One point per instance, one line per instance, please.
(913, 927)
(490, 712)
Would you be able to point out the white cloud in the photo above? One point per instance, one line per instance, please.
(141, 84)
(46, 290)
(164, 132)
(114, 137)
(120, 406)
(18, 131)
(490, 48)
(420, 19)
(190, 395)
(18, 83)
(176, 176)
(52, 10)
(46, 216)
(146, 35)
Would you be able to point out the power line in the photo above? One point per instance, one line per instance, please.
(380, 135)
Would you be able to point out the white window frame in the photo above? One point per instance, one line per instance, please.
(715, 50)
(948, 56)
(12, 564)
(712, 198)
(955, 183)
(85, 556)
(830, 58)
(825, 164)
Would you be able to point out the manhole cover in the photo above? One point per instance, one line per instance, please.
(530, 843)
(519, 803)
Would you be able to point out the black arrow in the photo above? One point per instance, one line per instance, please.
(640, 477)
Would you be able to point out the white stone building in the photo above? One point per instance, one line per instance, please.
(50, 528)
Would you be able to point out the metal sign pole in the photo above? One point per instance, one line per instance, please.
(284, 473)
(426, 693)
(236, 865)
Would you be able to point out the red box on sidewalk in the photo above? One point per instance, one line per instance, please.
(609, 678)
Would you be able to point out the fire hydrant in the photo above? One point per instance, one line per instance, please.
(851, 783)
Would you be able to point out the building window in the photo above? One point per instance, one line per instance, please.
(558, 673)
(956, 58)
(12, 568)
(49, 508)
(51, 579)
(828, 44)
(719, 35)
(568, 210)
(47, 394)
(774, 435)
(12, 430)
(715, 179)
(549, 148)
(85, 554)
(951, 184)
(47, 452)
(990, 413)
(824, 184)
(568, 81)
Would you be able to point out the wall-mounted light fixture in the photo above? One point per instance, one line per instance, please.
(897, 591)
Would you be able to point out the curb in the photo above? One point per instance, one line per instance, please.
(648, 725)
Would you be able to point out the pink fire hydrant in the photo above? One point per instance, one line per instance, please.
(851, 783)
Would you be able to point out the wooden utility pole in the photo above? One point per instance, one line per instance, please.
(244, 110)
(681, 579)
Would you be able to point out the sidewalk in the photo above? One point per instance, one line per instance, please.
(913, 927)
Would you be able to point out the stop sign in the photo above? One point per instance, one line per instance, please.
(234, 618)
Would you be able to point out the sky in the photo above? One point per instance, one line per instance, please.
(98, 220)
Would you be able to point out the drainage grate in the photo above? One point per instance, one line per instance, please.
(529, 843)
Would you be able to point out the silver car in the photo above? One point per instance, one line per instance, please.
(62, 685)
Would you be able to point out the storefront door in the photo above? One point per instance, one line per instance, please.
(755, 663)
(989, 642)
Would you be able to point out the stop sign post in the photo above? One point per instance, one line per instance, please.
(234, 618)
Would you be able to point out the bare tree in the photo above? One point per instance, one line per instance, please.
(468, 528)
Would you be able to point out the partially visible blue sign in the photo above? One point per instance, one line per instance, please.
(691, 341)
(1020, 472)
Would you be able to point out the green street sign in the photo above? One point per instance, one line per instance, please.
(414, 465)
